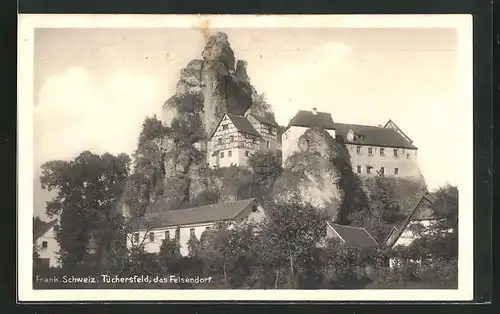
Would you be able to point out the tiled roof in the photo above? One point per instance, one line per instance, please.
(264, 120)
(187, 216)
(308, 119)
(372, 135)
(43, 229)
(240, 123)
(354, 236)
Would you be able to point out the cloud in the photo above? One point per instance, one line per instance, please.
(310, 76)
(78, 112)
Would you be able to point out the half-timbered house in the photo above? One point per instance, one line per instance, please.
(232, 142)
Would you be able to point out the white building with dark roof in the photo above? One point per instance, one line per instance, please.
(386, 149)
(46, 243)
(237, 137)
(184, 224)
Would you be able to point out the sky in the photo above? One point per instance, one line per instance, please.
(94, 87)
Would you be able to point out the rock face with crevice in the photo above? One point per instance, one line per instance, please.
(313, 174)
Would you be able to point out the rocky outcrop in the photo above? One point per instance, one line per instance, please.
(313, 174)
(225, 89)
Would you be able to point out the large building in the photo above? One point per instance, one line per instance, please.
(184, 224)
(384, 149)
(237, 137)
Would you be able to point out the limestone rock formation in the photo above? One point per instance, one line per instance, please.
(313, 174)
(224, 90)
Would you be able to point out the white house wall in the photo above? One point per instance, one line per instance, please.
(185, 233)
(159, 236)
(52, 250)
(406, 161)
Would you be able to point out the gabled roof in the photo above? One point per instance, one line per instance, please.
(194, 215)
(240, 123)
(42, 230)
(382, 232)
(372, 135)
(308, 119)
(354, 236)
(264, 120)
(392, 124)
(425, 197)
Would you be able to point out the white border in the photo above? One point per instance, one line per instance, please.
(27, 24)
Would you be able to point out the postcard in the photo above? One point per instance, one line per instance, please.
(269, 158)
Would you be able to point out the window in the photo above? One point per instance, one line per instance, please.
(225, 127)
(44, 244)
(395, 152)
(369, 169)
(151, 236)
(246, 153)
(207, 228)
(177, 233)
(192, 234)
(370, 151)
(167, 235)
(219, 141)
(229, 154)
(268, 144)
(396, 171)
(231, 139)
(358, 149)
(359, 169)
(382, 170)
(136, 237)
(382, 152)
(407, 156)
(221, 154)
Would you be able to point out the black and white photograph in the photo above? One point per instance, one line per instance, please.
(191, 157)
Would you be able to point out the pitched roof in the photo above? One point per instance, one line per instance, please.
(354, 236)
(263, 119)
(43, 229)
(382, 232)
(392, 124)
(308, 119)
(187, 216)
(425, 197)
(240, 123)
(372, 135)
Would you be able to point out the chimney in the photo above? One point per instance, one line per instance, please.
(350, 136)
(315, 111)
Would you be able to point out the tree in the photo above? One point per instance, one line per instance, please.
(266, 166)
(88, 189)
(290, 230)
(384, 205)
(152, 128)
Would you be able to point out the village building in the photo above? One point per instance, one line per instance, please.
(46, 244)
(385, 149)
(351, 236)
(184, 224)
(420, 221)
(236, 138)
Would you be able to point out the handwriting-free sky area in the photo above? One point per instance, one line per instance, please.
(94, 87)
